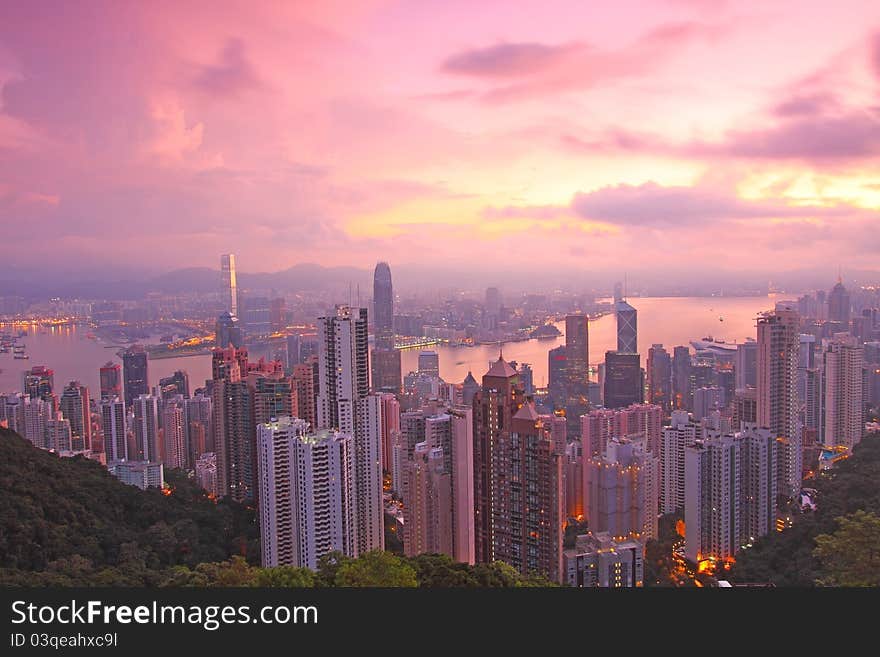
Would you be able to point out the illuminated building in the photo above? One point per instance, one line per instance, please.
(427, 503)
(659, 372)
(385, 370)
(227, 332)
(305, 379)
(146, 428)
(623, 384)
(206, 473)
(527, 497)
(429, 363)
(39, 382)
(230, 286)
(681, 377)
(598, 560)
(307, 493)
(199, 425)
(621, 490)
(602, 424)
(142, 474)
(573, 466)
(577, 351)
(843, 421)
(390, 425)
(627, 328)
(778, 347)
(233, 422)
(746, 366)
(383, 309)
(176, 452)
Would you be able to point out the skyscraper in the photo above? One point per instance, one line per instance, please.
(627, 333)
(345, 404)
(385, 370)
(111, 381)
(778, 345)
(307, 493)
(429, 363)
(383, 306)
(230, 286)
(234, 426)
(304, 379)
(839, 305)
(746, 366)
(681, 377)
(557, 372)
(842, 392)
(39, 382)
(176, 451)
(134, 374)
(75, 408)
(675, 439)
(623, 379)
(499, 398)
(427, 503)
(577, 351)
(146, 428)
(227, 332)
(199, 428)
(390, 425)
(176, 384)
(115, 431)
(621, 490)
(528, 497)
(659, 368)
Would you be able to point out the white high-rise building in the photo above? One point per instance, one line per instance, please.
(113, 422)
(346, 405)
(730, 492)
(307, 493)
(37, 413)
(230, 287)
(146, 428)
(778, 408)
(174, 435)
(842, 392)
(674, 440)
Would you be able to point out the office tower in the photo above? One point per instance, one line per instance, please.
(573, 470)
(627, 333)
(427, 503)
(659, 368)
(681, 377)
(390, 426)
(730, 492)
(577, 350)
(176, 384)
(227, 332)
(842, 398)
(115, 431)
(383, 308)
(778, 344)
(463, 485)
(206, 473)
(557, 372)
(680, 433)
(230, 287)
(233, 422)
(307, 493)
(198, 416)
(142, 474)
(494, 406)
(111, 381)
(429, 363)
(706, 400)
(344, 404)
(385, 370)
(304, 379)
(277, 314)
(623, 379)
(134, 374)
(621, 490)
(745, 407)
(469, 389)
(746, 364)
(176, 452)
(527, 497)
(598, 560)
(59, 436)
(39, 382)
(274, 396)
(75, 408)
(839, 305)
(493, 302)
(146, 428)
(257, 315)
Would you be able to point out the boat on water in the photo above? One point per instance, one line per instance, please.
(21, 357)
(18, 349)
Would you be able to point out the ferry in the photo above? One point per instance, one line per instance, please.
(713, 346)
(21, 357)
(18, 349)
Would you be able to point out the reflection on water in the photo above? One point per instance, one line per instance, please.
(671, 321)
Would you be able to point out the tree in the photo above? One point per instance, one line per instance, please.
(377, 568)
(285, 577)
(851, 555)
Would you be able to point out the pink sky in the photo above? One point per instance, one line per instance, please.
(728, 135)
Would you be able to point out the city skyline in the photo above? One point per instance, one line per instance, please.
(334, 133)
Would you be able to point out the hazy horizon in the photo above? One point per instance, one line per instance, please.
(658, 138)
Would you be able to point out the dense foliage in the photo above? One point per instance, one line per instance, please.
(791, 558)
(66, 520)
